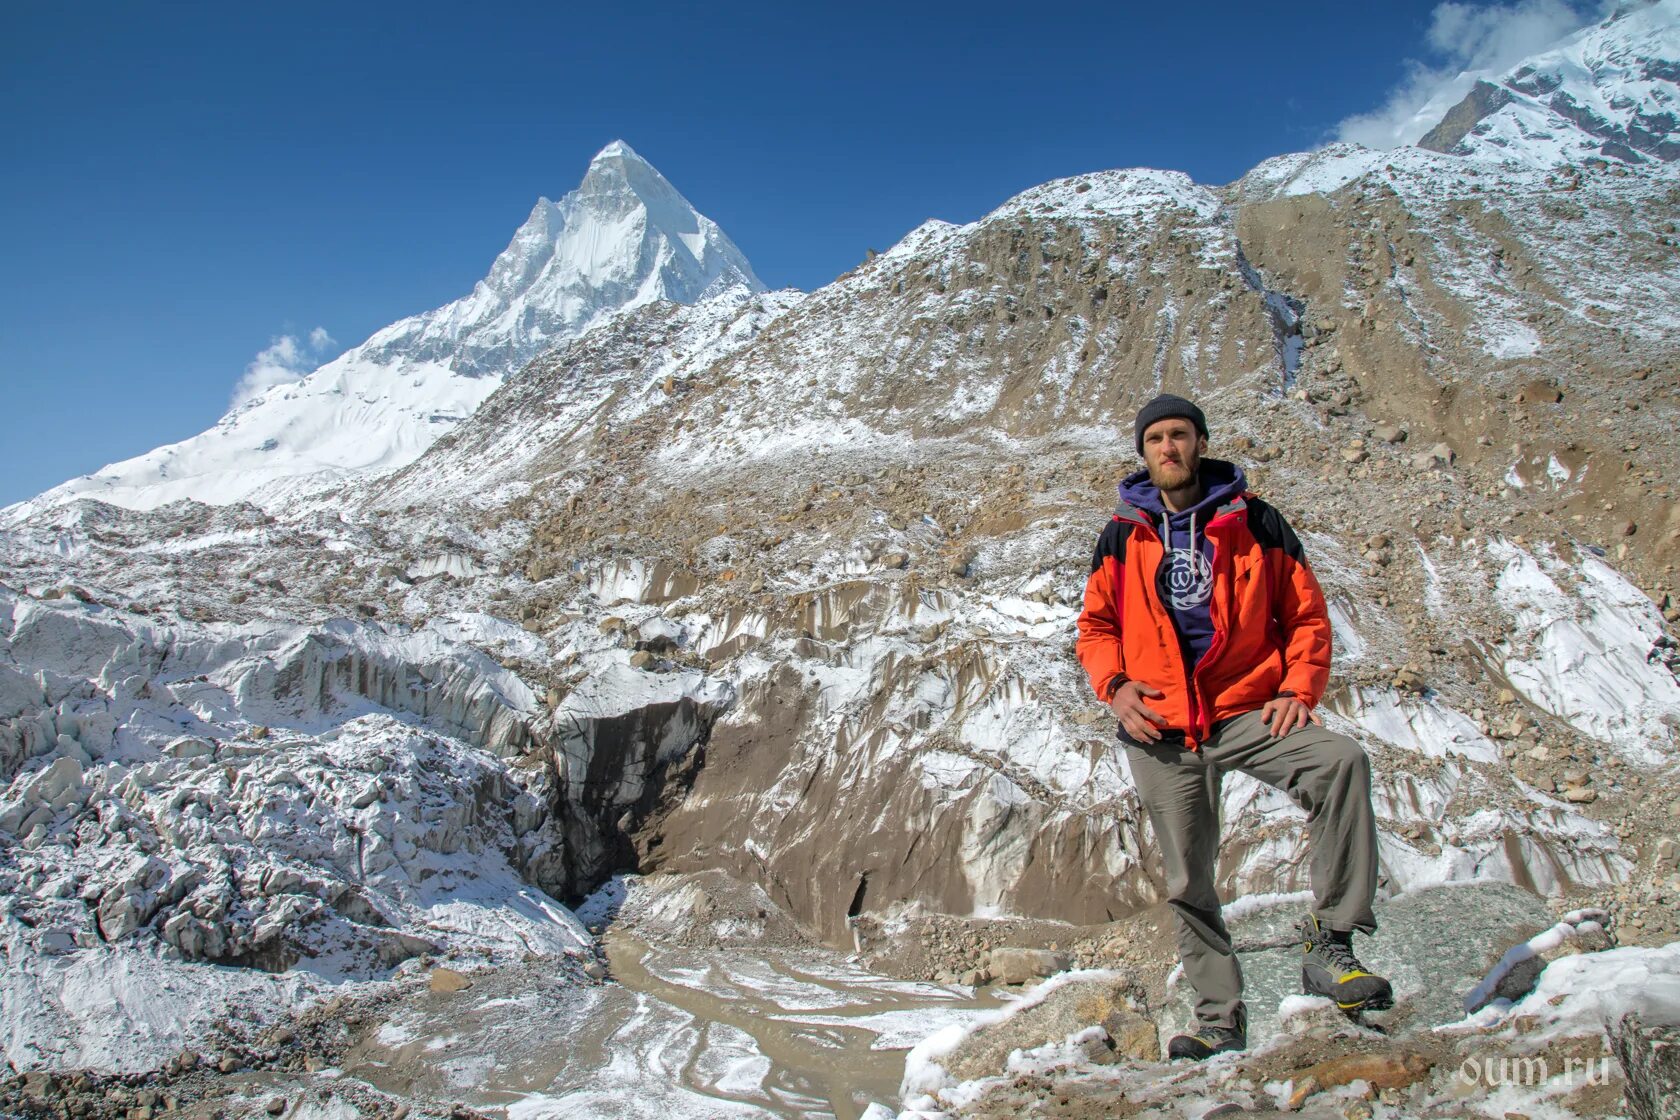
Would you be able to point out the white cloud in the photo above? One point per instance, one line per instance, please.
(286, 358)
(1467, 41)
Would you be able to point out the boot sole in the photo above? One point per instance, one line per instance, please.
(1172, 1057)
(1379, 1002)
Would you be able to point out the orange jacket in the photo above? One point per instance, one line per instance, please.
(1271, 626)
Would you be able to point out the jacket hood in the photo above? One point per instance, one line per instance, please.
(1221, 481)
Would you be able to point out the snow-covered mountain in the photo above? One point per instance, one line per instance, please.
(623, 239)
(1611, 90)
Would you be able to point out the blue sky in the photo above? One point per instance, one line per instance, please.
(183, 184)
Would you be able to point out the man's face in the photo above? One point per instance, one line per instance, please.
(1172, 450)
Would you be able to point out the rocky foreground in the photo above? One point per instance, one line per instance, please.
(705, 1000)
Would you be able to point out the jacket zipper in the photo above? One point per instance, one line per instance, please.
(1192, 740)
(1214, 646)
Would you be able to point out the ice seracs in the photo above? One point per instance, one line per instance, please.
(626, 237)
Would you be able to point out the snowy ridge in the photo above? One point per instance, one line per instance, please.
(836, 335)
(529, 430)
(1611, 90)
(623, 239)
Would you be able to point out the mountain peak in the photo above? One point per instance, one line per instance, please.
(617, 150)
(618, 163)
(1607, 90)
(619, 182)
(625, 237)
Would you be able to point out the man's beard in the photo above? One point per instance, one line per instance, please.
(1173, 476)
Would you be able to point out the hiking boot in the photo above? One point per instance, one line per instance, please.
(1209, 1039)
(1329, 968)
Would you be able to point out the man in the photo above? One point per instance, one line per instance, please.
(1207, 635)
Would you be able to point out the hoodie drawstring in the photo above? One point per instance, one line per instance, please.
(1166, 532)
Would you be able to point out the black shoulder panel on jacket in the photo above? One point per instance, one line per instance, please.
(1272, 531)
(1112, 542)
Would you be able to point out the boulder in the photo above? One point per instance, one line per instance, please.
(1381, 1071)
(1516, 973)
(1410, 680)
(1111, 1001)
(448, 980)
(1022, 966)
(1668, 852)
(1649, 1053)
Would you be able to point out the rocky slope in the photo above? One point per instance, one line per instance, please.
(780, 564)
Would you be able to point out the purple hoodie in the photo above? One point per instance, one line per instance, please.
(1185, 578)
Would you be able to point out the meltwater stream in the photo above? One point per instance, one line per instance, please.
(680, 1033)
(676, 1033)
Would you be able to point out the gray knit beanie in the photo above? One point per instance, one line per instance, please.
(1164, 406)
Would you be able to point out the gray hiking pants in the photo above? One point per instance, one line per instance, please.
(1324, 773)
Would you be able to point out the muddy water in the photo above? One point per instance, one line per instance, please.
(832, 1037)
(676, 1033)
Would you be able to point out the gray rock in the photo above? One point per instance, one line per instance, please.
(1112, 1004)
(1519, 969)
(1429, 970)
(1649, 1053)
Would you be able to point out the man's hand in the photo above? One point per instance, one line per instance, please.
(1138, 719)
(1286, 714)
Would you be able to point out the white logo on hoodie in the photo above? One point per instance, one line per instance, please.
(1189, 579)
